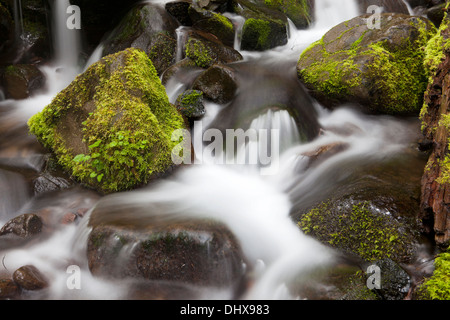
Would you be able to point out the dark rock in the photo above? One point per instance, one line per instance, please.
(190, 104)
(23, 226)
(395, 282)
(214, 23)
(180, 10)
(198, 252)
(206, 50)
(147, 27)
(30, 278)
(46, 182)
(218, 84)
(20, 81)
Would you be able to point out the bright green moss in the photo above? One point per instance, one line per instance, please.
(121, 123)
(199, 53)
(258, 29)
(356, 229)
(437, 287)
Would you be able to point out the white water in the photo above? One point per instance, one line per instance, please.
(255, 208)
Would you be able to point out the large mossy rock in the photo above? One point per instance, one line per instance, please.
(111, 127)
(380, 69)
(264, 28)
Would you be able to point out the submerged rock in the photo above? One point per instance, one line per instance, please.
(379, 69)
(195, 252)
(111, 127)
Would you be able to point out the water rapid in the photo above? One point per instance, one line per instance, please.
(255, 207)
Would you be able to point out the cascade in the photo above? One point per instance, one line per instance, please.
(255, 207)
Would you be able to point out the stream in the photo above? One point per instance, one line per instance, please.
(255, 206)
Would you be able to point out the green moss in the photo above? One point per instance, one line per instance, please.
(356, 229)
(125, 120)
(199, 53)
(258, 29)
(296, 10)
(437, 287)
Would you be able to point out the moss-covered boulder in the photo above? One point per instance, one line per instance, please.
(206, 50)
(437, 287)
(298, 11)
(190, 104)
(214, 23)
(264, 28)
(111, 127)
(379, 69)
(147, 27)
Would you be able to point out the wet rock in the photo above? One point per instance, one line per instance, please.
(395, 282)
(298, 11)
(20, 81)
(324, 152)
(180, 10)
(30, 278)
(366, 67)
(190, 104)
(217, 83)
(147, 27)
(206, 50)
(201, 253)
(8, 289)
(46, 182)
(23, 226)
(117, 106)
(263, 29)
(214, 23)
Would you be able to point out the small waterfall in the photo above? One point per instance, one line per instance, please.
(181, 39)
(18, 20)
(238, 22)
(408, 6)
(329, 13)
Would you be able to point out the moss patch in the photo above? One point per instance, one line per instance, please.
(354, 229)
(111, 127)
(437, 287)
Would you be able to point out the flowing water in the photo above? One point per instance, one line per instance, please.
(256, 207)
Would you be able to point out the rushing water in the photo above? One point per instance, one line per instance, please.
(255, 207)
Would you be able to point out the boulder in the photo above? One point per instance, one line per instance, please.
(298, 11)
(147, 27)
(217, 83)
(206, 50)
(190, 104)
(21, 81)
(30, 278)
(214, 23)
(111, 127)
(378, 69)
(8, 289)
(264, 28)
(195, 252)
